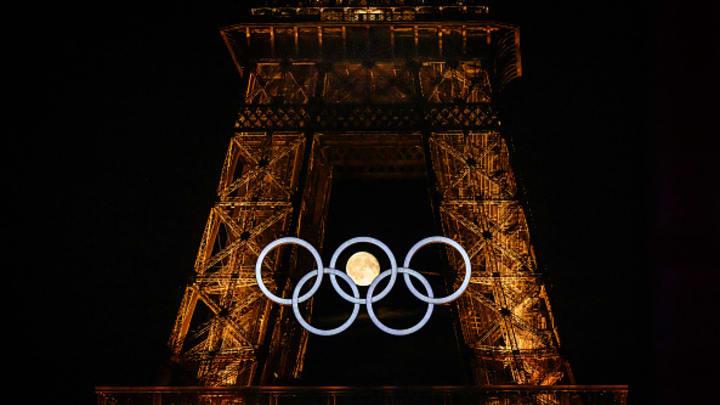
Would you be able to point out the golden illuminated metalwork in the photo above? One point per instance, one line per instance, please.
(396, 91)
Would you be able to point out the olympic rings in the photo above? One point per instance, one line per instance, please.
(355, 298)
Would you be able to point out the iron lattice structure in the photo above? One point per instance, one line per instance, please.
(373, 91)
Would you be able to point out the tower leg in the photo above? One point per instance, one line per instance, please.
(287, 344)
(223, 319)
(504, 315)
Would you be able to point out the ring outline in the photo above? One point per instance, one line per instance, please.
(393, 331)
(447, 241)
(325, 332)
(393, 268)
(284, 241)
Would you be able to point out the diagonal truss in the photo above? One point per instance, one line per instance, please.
(448, 83)
(258, 179)
(504, 315)
(278, 83)
(378, 82)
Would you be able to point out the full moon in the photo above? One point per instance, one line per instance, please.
(362, 267)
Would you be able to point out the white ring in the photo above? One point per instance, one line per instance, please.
(466, 280)
(355, 299)
(284, 241)
(392, 331)
(393, 268)
(325, 332)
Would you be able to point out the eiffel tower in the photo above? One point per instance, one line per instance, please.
(373, 90)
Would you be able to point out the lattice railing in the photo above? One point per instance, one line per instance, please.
(445, 395)
(348, 117)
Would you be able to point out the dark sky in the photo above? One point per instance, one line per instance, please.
(139, 107)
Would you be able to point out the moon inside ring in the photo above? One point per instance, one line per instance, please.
(362, 267)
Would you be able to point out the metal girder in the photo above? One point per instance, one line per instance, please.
(258, 179)
(367, 116)
(500, 314)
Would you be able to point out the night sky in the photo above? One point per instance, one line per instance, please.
(138, 111)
